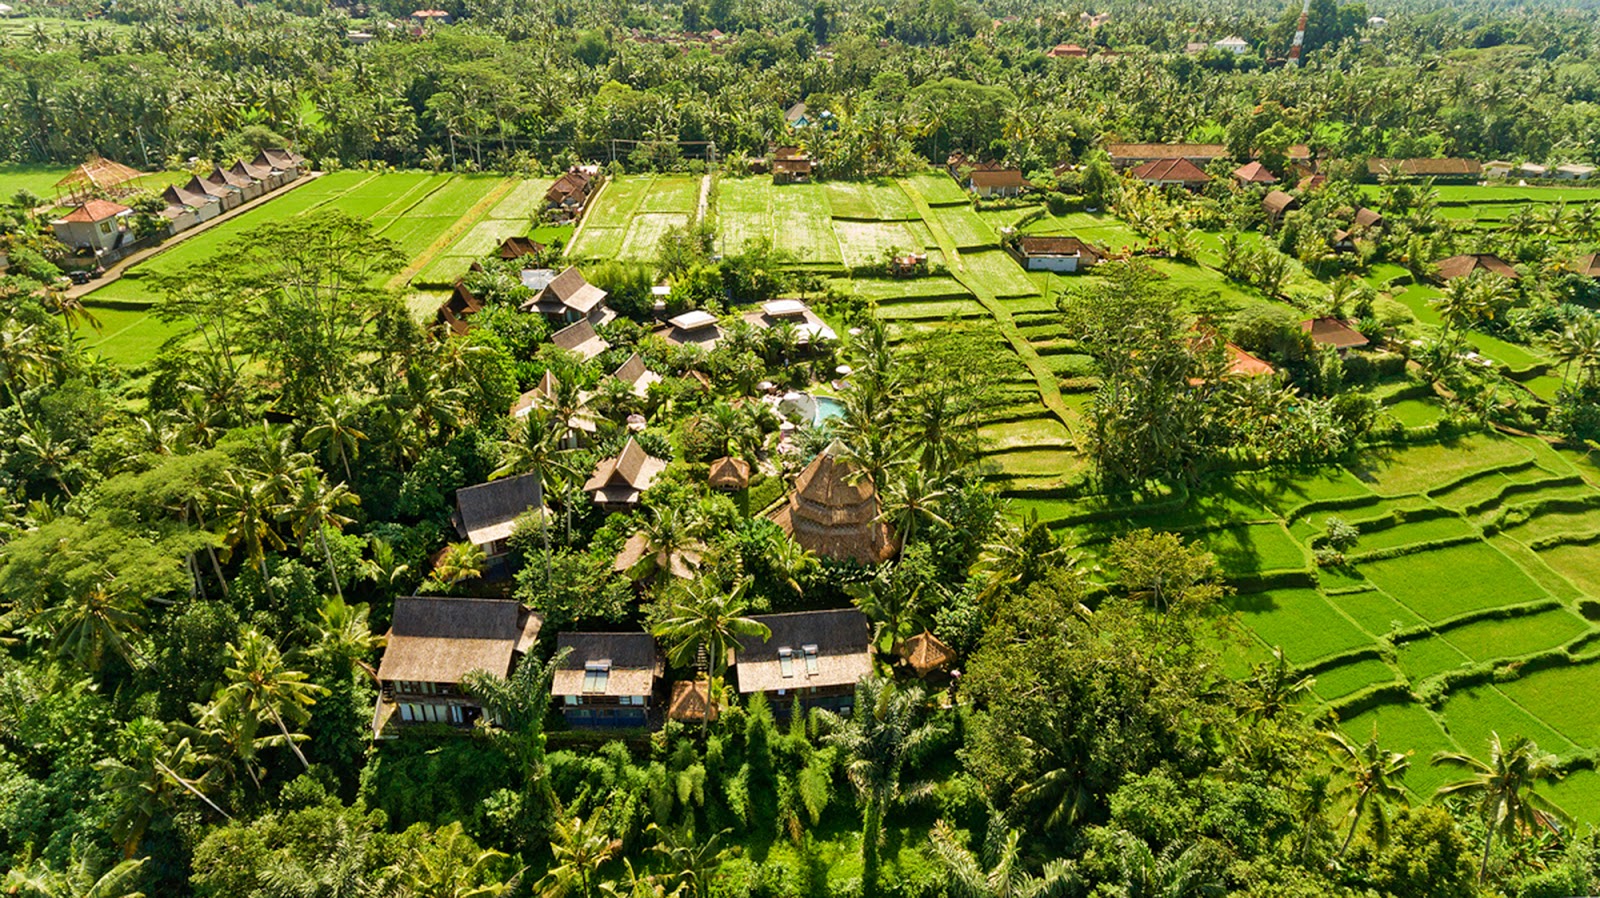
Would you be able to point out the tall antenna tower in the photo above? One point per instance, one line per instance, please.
(1299, 44)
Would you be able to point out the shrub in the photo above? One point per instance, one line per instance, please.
(1340, 534)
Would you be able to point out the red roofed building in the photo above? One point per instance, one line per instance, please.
(96, 226)
(1254, 173)
(1334, 332)
(1463, 265)
(1067, 51)
(1166, 172)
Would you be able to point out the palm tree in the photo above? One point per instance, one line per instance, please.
(669, 545)
(1503, 788)
(144, 788)
(1374, 779)
(342, 636)
(1273, 686)
(1005, 876)
(535, 448)
(89, 621)
(690, 864)
(887, 732)
(578, 849)
(1579, 343)
(708, 619)
(459, 562)
(244, 512)
(910, 500)
(314, 508)
(261, 687)
(336, 432)
(453, 869)
(71, 309)
(79, 880)
(517, 703)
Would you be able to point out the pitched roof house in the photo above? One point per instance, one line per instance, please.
(571, 191)
(1167, 172)
(606, 680)
(487, 513)
(817, 656)
(1277, 202)
(1447, 169)
(1463, 265)
(795, 170)
(696, 326)
(618, 481)
(1367, 218)
(1066, 51)
(1254, 173)
(809, 326)
(1334, 332)
(999, 182)
(569, 297)
(796, 116)
(516, 247)
(834, 514)
(1125, 155)
(636, 376)
(729, 474)
(433, 643)
(580, 338)
(97, 225)
(1062, 254)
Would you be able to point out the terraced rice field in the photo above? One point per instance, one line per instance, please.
(631, 213)
(1474, 562)
(430, 217)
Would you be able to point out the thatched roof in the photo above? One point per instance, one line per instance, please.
(795, 113)
(732, 474)
(629, 661)
(814, 649)
(580, 338)
(1334, 332)
(97, 174)
(488, 512)
(517, 247)
(834, 513)
(571, 186)
(568, 291)
(800, 166)
(1254, 173)
(636, 375)
(1145, 152)
(1277, 202)
(453, 312)
(1589, 266)
(279, 159)
(1367, 218)
(183, 196)
(1463, 265)
(620, 479)
(925, 653)
(439, 639)
(691, 701)
(1171, 171)
(1435, 168)
(253, 170)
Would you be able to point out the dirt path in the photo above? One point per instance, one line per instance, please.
(1049, 386)
(705, 196)
(463, 224)
(122, 265)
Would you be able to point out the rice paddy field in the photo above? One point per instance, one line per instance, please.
(441, 222)
(630, 214)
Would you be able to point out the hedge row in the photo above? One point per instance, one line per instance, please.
(1412, 548)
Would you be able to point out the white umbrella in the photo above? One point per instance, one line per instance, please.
(843, 370)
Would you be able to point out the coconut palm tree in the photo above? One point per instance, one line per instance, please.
(1503, 788)
(1273, 687)
(578, 849)
(78, 880)
(459, 562)
(150, 783)
(1579, 344)
(90, 621)
(335, 432)
(343, 637)
(887, 734)
(689, 864)
(1373, 779)
(1461, 305)
(911, 500)
(670, 545)
(244, 511)
(998, 872)
(454, 868)
(262, 687)
(314, 508)
(710, 620)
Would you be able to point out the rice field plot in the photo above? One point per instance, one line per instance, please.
(966, 228)
(526, 200)
(1043, 463)
(642, 241)
(1417, 468)
(864, 244)
(672, 193)
(1474, 714)
(1033, 433)
(1556, 524)
(1412, 533)
(1515, 357)
(1577, 564)
(1001, 274)
(1254, 548)
(939, 189)
(879, 200)
(1561, 696)
(1373, 609)
(891, 289)
(1578, 793)
(1513, 636)
(39, 180)
(1338, 682)
(1415, 412)
(129, 337)
(1443, 583)
(1421, 658)
(1300, 621)
(1097, 228)
(1407, 726)
(931, 310)
(1512, 193)
(1289, 491)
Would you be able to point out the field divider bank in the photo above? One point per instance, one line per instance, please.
(1049, 388)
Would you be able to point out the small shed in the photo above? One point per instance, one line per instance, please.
(1254, 173)
(1061, 254)
(1278, 202)
(729, 474)
(618, 481)
(1335, 332)
(925, 653)
(691, 702)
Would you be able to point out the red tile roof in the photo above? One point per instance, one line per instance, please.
(1334, 332)
(1171, 171)
(1254, 173)
(96, 210)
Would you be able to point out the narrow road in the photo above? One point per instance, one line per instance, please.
(1049, 386)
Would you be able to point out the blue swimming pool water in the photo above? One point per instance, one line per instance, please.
(827, 407)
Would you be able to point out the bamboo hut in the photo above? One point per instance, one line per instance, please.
(834, 512)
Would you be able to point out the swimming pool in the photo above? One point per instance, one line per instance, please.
(827, 408)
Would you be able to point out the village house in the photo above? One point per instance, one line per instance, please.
(638, 378)
(1254, 173)
(1335, 332)
(228, 197)
(1342, 241)
(568, 298)
(1460, 266)
(1367, 219)
(790, 165)
(486, 514)
(1128, 155)
(834, 513)
(453, 312)
(97, 226)
(1276, 203)
(1005, 182)
(287, 163)
(1066, 51)
(433, 643)
(796, 116)
(186, 208)
(1498, 168)
(696, 326)
(618, 481)
(1064, 255)
(261, 173)
(1233, 44)
(566, 199)
(249, 188)
(520, 247)
(1454, 170)
(581, 426)
(606, 680)
(808, 325)
(1533, 170)
(1573, 171)
(1176, 172)
(815, 657)
(580, 338)
(729, 475)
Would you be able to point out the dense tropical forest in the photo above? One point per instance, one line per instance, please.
(202, 544)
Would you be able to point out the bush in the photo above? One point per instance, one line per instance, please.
(1339, 533)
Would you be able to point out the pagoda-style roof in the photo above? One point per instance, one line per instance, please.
(731, 474)
(925, 653)
(835, 513)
